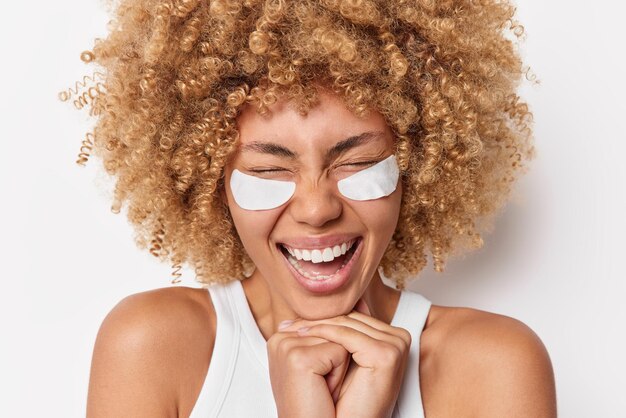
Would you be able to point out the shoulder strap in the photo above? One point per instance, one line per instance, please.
(223, 359)
(411, 314)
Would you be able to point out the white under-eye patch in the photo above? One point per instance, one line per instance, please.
(255, 193)
(374, 182)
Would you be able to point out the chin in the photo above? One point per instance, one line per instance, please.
(323, 308)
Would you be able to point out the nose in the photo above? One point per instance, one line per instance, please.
(315, 203)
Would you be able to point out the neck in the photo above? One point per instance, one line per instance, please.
(270, 309)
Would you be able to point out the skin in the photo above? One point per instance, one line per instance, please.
(154, 348)
(316, 209)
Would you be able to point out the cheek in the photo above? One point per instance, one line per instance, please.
(253, 227)
(250, 225)
(380, 216)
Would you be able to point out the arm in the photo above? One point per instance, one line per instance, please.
(146, 353)
(519, 380)
(505, 368)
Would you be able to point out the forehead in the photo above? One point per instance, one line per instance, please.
(327, 123)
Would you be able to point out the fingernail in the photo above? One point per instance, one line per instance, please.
(303, 330)
(285, 324)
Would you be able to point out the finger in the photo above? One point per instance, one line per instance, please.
(364, 349)
(328, 351)
(367, 352)
(386, 334)
(335, 377)
(341, 320)
(381, 325)
(323, 358)
(281, 342)
(358, 314)
(339, 378)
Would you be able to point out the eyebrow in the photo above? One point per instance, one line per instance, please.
(337, 149)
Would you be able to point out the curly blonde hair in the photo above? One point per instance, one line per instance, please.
(174, 75)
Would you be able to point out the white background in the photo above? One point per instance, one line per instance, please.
(554, 261)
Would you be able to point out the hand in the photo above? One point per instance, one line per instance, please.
(306, 374)
(379, 356)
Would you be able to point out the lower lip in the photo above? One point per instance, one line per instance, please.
(334, 282)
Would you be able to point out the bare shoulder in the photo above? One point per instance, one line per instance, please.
(151, 354)
(478, 363)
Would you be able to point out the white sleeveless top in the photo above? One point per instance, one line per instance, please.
(238, 385)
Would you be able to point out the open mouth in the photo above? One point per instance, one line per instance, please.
(321, 264)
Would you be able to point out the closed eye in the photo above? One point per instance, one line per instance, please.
(359, 164)
(267, 170)
(277, 170)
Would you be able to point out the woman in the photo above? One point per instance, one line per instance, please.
(289, 150)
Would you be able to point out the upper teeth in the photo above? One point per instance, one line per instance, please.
(321, 254)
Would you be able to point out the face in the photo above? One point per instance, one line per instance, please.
(314, 151)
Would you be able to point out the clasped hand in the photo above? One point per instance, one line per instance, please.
(346, 366)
